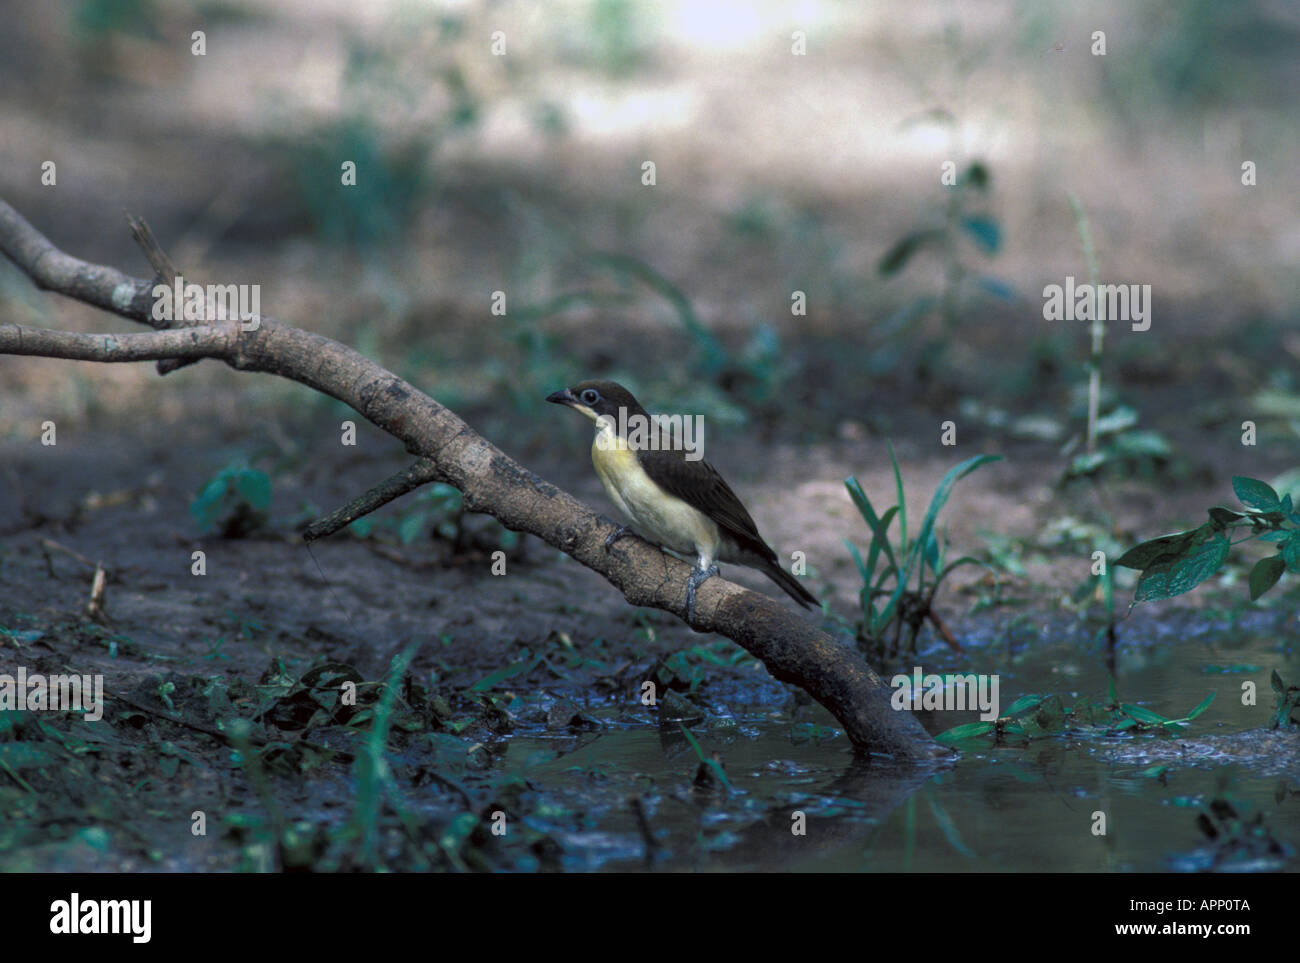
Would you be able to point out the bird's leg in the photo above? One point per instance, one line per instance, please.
(616, 535)
(698, 577)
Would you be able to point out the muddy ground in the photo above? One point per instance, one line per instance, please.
(482, 174)
(182, 655)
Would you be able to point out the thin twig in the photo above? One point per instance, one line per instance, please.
(165, 274)
(408, 479)
(95, 605)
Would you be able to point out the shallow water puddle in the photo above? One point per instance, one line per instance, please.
(1218, 793)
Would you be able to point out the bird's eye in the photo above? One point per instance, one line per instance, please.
(590, 396)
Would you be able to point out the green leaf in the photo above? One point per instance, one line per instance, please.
(448, 495)
(965, 560)
(500, 675)
(207, 506)
(896, 257)
(1121, 418)
(879, 525)
(942, 493)
(1173, 575)
(1149, 444)
(1254, 493)
(969, 731)
(1143, 715)
(860, 500)
(1265, 575)
(880, 543)
(409, 529)
(713, 764)
(26, 637)
(997, 287)
(1276, 682)
(458, 831)
(932, 557)
(1291, 553)
(1050, 715)
(254, 487)
(1087, 463)
(1022, 706)
(1142, 555)
(1201, 708)
(985, 230)
(1223, 517)
(887, 613)
(857, 560)
(902, 500)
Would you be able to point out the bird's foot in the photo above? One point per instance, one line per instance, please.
(698, 577)
(616, 535)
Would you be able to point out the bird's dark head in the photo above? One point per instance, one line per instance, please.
(597, 398)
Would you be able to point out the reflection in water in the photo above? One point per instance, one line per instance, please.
(752, 790)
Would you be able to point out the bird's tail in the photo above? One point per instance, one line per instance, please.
(791, 584)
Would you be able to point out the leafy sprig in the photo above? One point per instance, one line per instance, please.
(1174, 564)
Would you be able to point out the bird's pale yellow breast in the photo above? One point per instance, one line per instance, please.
(660, 516)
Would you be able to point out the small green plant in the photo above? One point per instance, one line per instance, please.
(440, 508)
(689, 668)
(964, 217)
(888, 603)
(1174, 564)
(710, 770)
(752, 375)
(235, 502)
(1037, 715)
(1109, 441)
(709, 358)
(1119, 446)
(1288, 702)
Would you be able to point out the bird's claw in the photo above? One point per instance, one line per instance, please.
(698, 577)
(616, 535)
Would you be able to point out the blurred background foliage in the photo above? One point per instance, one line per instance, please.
(776, 174)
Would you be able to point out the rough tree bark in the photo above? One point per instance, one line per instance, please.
(450, 451)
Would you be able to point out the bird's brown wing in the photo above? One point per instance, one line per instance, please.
(699, 485)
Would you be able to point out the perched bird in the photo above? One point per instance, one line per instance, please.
(670, 499)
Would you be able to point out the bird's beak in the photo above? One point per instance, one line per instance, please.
(564, 397)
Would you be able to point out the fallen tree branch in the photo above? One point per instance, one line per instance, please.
(490, 482)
